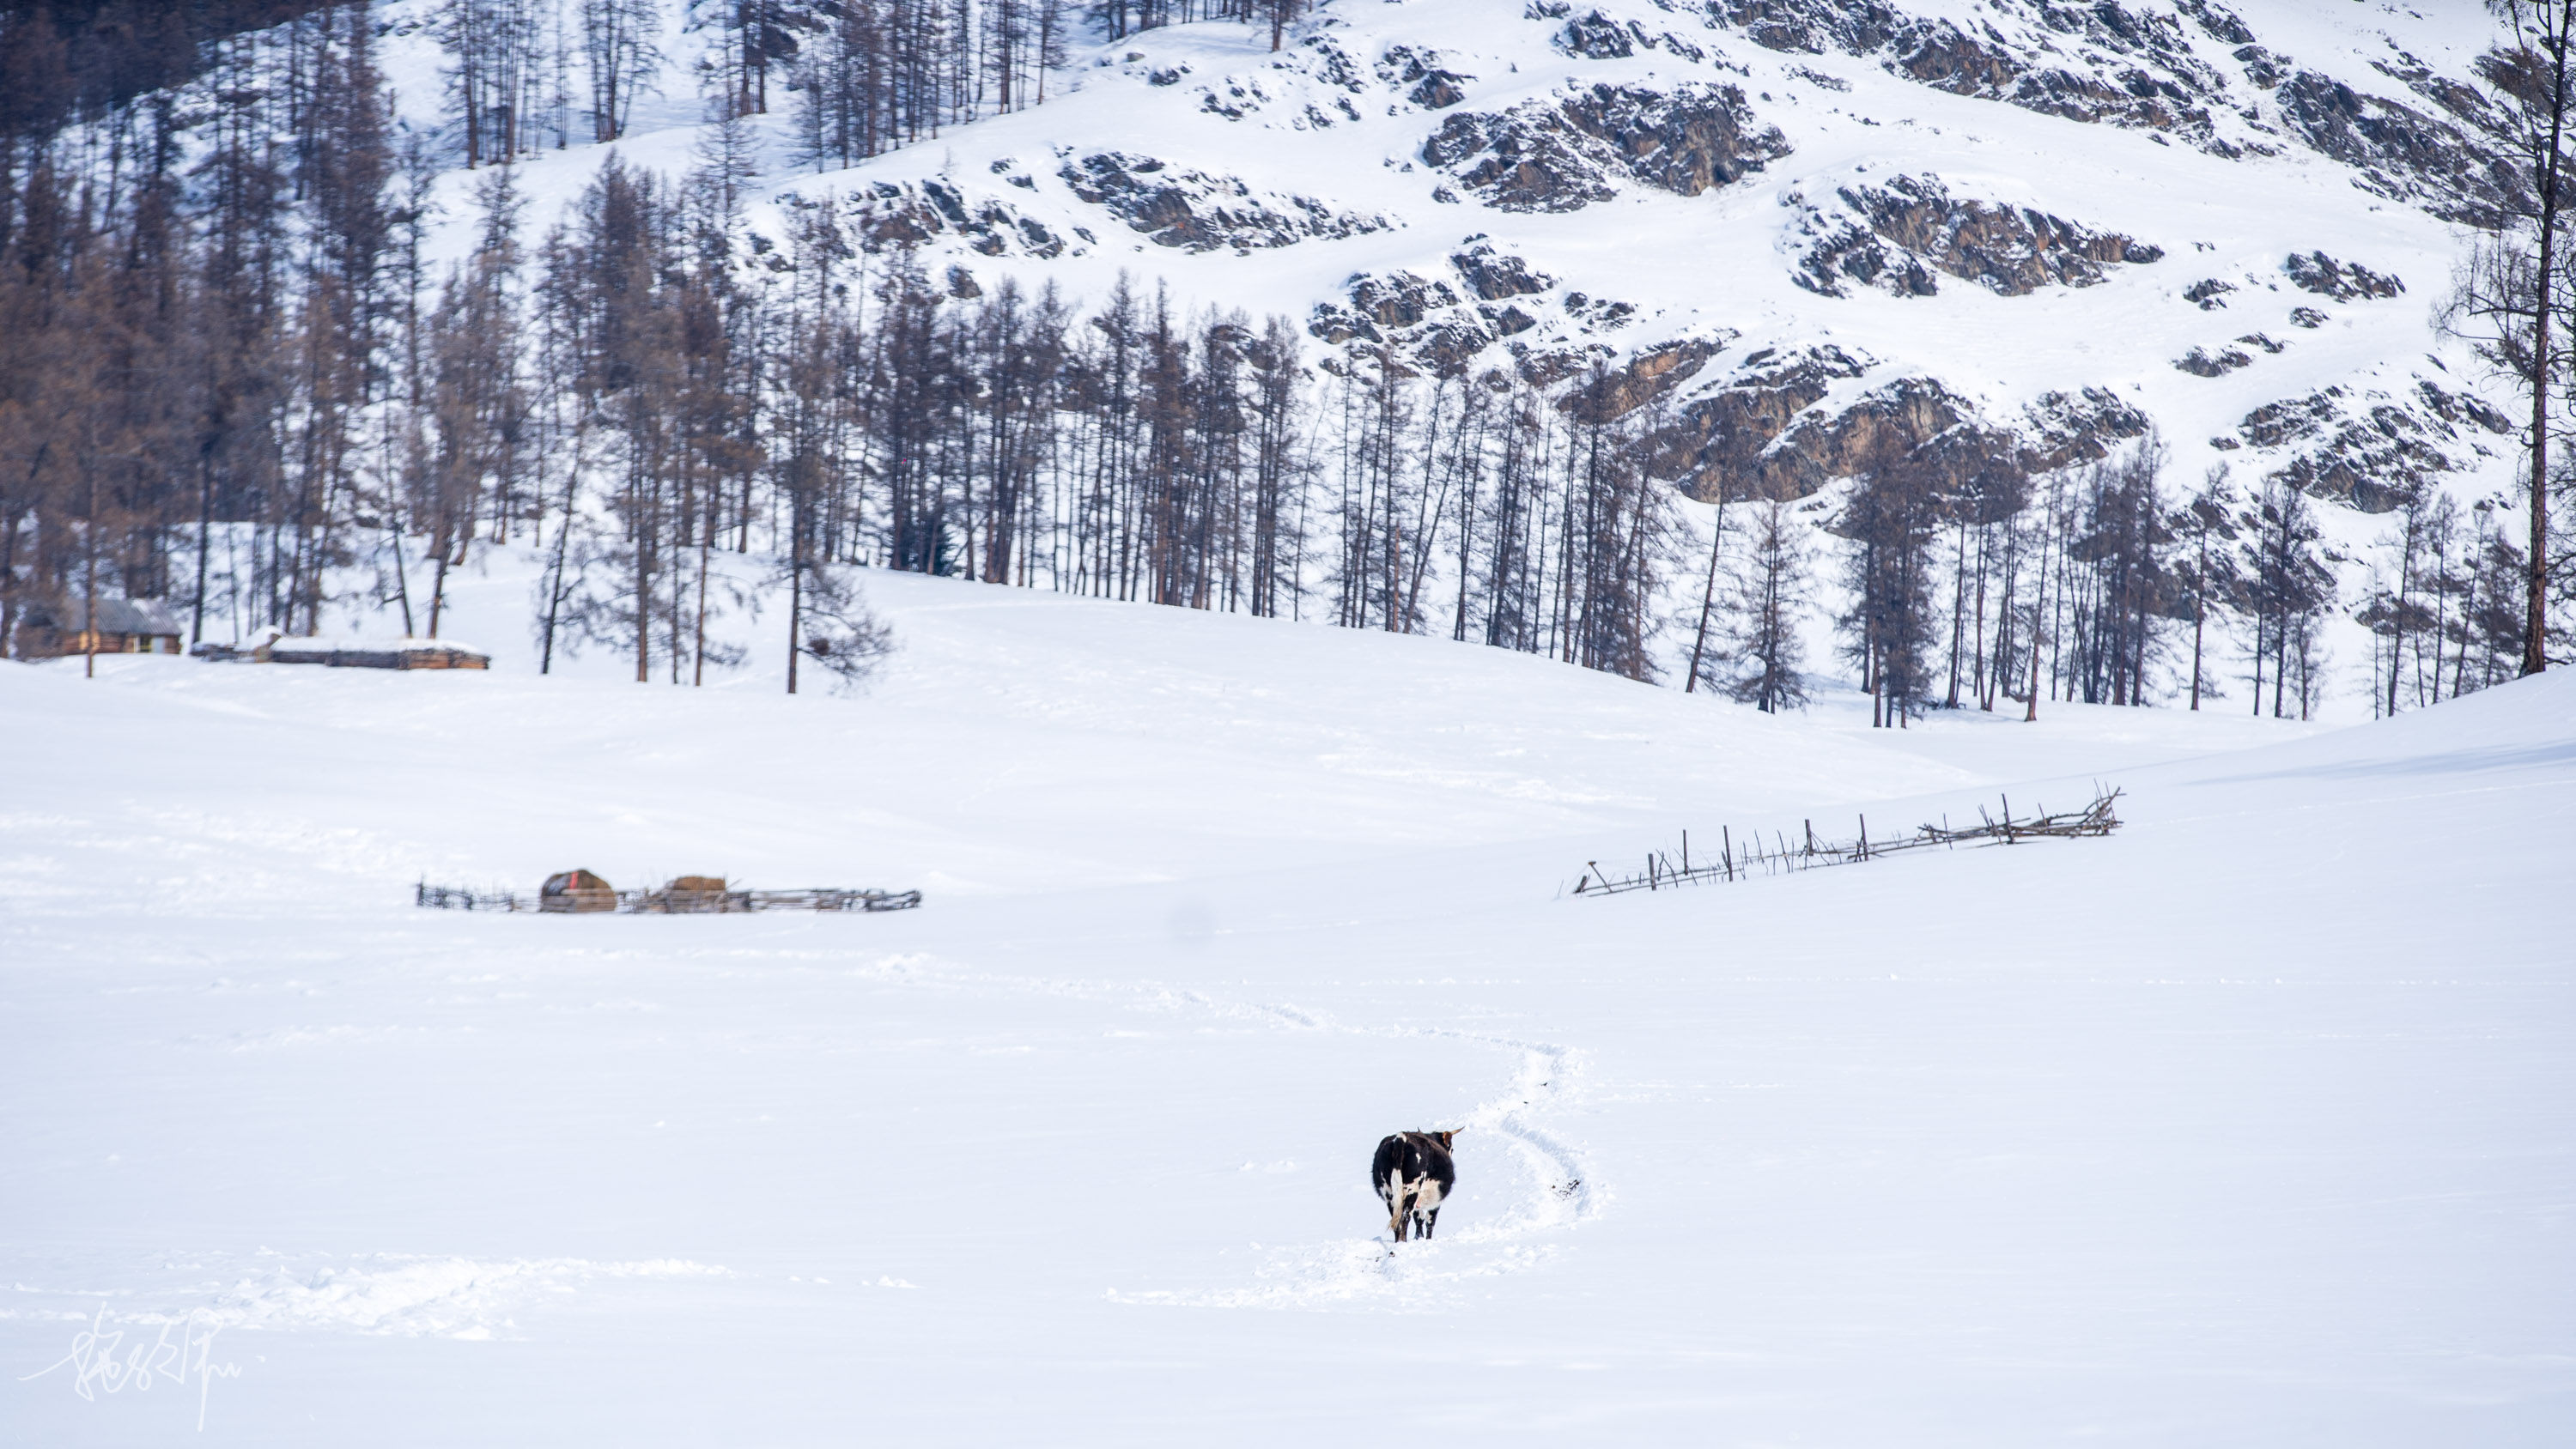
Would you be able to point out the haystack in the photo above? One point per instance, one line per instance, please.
(575, 892)
(696, 894)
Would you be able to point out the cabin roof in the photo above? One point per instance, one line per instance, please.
(114, 616)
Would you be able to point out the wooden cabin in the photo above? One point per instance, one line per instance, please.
(113, 626)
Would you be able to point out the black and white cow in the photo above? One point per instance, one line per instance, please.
(1414, 1173)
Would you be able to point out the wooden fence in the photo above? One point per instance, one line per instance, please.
(666, 902)
(1742, 857)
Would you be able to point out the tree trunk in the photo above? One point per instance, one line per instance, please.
(2536, 589)
(795, 611)
(2199, 613)
(1707, 594)
(205, 539)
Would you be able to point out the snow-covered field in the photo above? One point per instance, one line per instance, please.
(2250, 1125)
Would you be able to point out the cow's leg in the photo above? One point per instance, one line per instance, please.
(1430, 1220)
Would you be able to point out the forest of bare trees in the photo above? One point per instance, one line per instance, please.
(236, 383)
(2513, 298)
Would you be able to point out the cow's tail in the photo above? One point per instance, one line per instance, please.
(1395, 1200)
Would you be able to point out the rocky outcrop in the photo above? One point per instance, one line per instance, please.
(1422, 78)
(1400, 301)
(2402, 153)
(2475, 108)
(1439, 90)
(1524, 159)
(2372, 451)
(1599, 314)
(2217, 21)
(2343, 281)
(1494, 275)
(1441, 324)
(1191, 210)
(2262, 67)
(2460, 410)
(2132, 67)
(1949, 59)
(1647, 374)
(899, 215)
(1565, 154)
(1775, 430)
(2063, 429)
(1847, 254)
(1787, 424)
(1817, 27)
(1595, 36)
(1914, 226)
(1715, 445)
(2201, 362)
(1684, 141)
(1379, 304)
(1916, 420)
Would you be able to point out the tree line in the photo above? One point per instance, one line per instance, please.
(242, 384)
(1966, 581)
(871, 75)
(2515, 299)
(834, 409)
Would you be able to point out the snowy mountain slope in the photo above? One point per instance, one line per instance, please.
(2244, 1126)
(1796, 233)
(1800, 144)
(1726, 192)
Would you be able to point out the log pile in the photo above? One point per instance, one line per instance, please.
(1742, 857)
(275, 648)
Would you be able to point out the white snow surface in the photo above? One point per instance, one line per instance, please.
(2249, 1125)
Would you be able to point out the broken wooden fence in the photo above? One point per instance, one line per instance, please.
(1740, 858)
